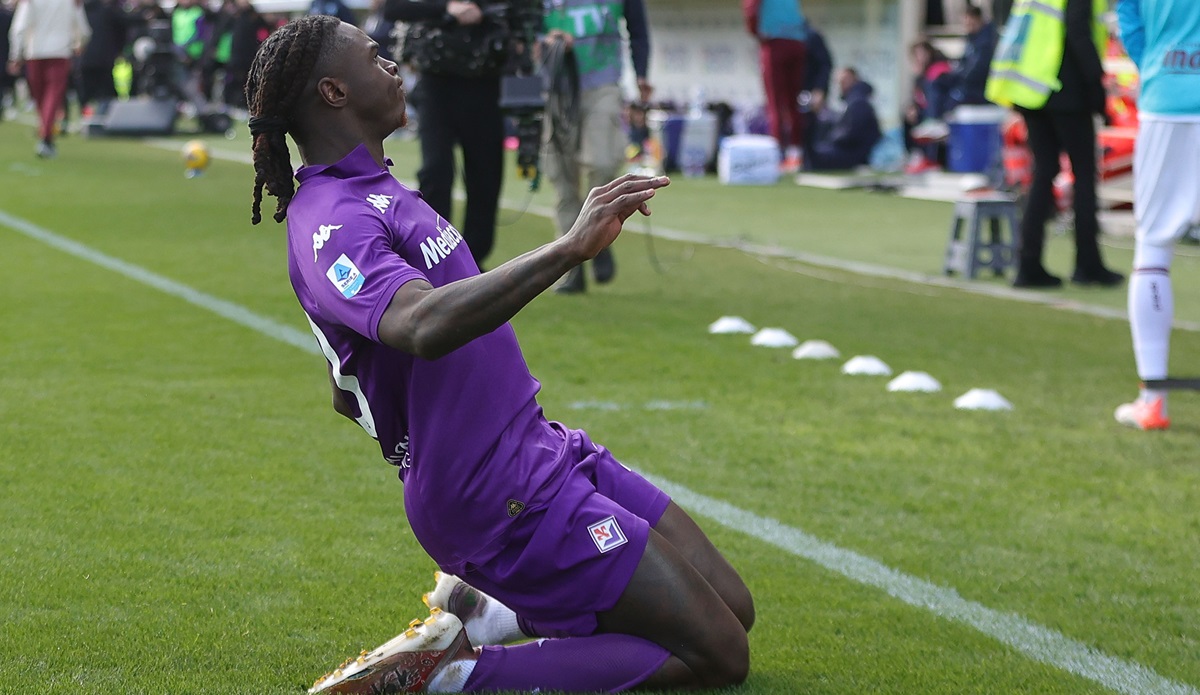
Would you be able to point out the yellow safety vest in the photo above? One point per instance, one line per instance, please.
(1024, 71)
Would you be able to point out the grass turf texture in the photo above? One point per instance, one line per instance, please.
(185, 514)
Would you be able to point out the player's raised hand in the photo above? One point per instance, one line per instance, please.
(607, 207)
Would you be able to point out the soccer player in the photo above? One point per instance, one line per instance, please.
(540, 532)
(1163, 39)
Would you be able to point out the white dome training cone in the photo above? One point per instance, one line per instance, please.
(914, 381)
(982, 399)
(815, 350)
(774, 338)
(730, 324)
(868, 365)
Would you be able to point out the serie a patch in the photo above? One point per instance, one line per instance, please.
(607, 534)
(345, 276)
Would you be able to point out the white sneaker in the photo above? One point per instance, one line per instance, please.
(1144, 415)
(930, 130)
(404, 664)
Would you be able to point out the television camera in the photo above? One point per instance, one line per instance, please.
(503, 43)
(166, 90)
(523, 87)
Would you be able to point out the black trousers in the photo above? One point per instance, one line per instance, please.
(463, 111)
(1050, 133)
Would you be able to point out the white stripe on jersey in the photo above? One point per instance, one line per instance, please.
(345, 382)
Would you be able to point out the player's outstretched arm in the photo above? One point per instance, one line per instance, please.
(430, 322)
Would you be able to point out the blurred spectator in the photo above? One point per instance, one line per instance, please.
(638, 128)
(927, 64)
(218, 42)
(250, 29)
(781, 30)
(818, 68)
(965, 83)
(380, 29)
(333, 8)
(188, 25)
(138, 16)
(94, 83)
(814, 100)
(45, 35)
(6, 80)
(849, 141)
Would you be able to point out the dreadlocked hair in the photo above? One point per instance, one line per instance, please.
(279, 75)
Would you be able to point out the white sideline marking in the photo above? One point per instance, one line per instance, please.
(771, 251)
(233, 312)
(648, 405)
(1037, 642)
(1033, 640)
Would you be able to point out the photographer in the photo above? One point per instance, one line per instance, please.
(460, 50)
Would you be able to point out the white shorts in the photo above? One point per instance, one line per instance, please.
(1166, 181)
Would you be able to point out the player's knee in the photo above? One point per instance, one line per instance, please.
(731, 666)
(743, 608)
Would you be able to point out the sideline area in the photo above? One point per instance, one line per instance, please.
(860, 231)
(857, 230)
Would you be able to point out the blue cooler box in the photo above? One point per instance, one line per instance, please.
(974, 142)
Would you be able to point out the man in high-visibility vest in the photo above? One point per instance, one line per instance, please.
(1163, 39)
(1048, 66)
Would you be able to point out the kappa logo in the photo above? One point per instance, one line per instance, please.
(322, 236)
(607, 534)
(379, 201)
(345, 276)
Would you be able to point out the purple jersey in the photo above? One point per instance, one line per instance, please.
(466, 425)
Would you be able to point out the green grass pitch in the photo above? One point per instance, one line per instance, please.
(184, 513)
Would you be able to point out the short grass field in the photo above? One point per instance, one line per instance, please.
(184, 513)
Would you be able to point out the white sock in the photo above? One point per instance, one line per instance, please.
(1151, 312)
(452, 678)
(495, 624)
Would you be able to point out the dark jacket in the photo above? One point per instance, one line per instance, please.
(849, 142)
(818, 63)
(1082, 73)
(6, 17)
(435, 42)
(108, 35)
(249, 31)
(969, 77)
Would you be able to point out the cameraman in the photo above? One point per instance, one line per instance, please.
(585, 141)
(460, 52)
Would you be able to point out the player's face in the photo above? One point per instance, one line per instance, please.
(376, 88)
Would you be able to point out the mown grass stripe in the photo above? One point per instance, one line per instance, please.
(1035, 641)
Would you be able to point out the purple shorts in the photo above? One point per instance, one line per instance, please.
(571, 559)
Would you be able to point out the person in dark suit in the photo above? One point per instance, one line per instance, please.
(457, 100)
(1067, 124)
(818, 68)
(94, 70)
(250, 29)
